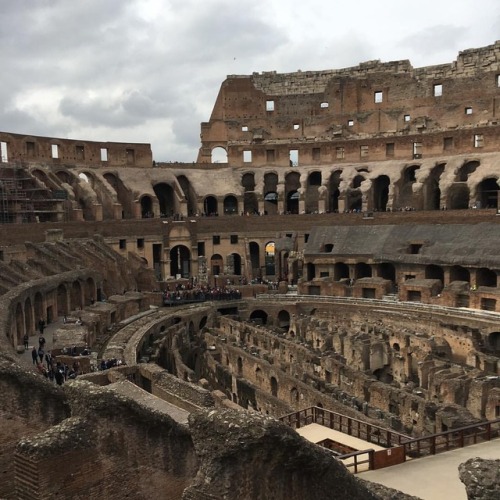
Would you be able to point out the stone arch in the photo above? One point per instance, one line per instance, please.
(234, 264)
(216, 264)
(292, 195)
(274, 387)
(314, 180)
(486, 277)
(357, 181)
(459, 273)
(20, 330)
(381, 193)
(219, 155)
(466, 170)
(431, 192)
(284, 319)
(334, 191)
(76, 295)
(210, 205)
(38, 306)
(230, 205)
(259, 316)
(28, 316)
(487, 193)
(180, 261)
(458, 196)
(271, 203)
(146, 206)
(250, 203)
(189, 194)
(62, 300)
(254, 249)
(65, 176)
(166, 198)
(87, 177)
(270, 253)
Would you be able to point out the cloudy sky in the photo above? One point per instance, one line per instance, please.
(150, 70)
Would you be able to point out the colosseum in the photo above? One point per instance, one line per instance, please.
(330, 258)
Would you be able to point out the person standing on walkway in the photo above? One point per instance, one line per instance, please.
(34, 355)
(41, 326)
(26, 342)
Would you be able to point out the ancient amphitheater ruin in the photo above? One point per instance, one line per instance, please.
(331, 257)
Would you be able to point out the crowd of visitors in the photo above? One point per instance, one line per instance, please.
(198, 293)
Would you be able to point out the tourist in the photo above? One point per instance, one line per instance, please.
(26, 341)
(34, 355)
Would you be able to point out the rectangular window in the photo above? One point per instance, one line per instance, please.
(140, 242)
(130, 156)
(350, 123)
(269, 105)
(296, 126)
(468, 110)
(447, 143)
(3, 152)
(378, 96)
(79, 152)
(498, 80)
(306, 237)
(438, 90)
(324, 274)
(270, 155)
(234, 239)
(340, 152)
(122, 244)
(389, 149)
(247, 156)
(55, 151)
(104, 154)
(417, 150)
(488, 304)
(294, 157)
(415, 248)
(478, 140)
(216, 239)
(244, 128)
(363, 151)
(316, 153)
(201, 248)
(30, 149)
(324, 105)
(407, 118)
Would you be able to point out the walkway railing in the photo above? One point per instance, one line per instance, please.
(399, 447)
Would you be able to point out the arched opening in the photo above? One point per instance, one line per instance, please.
(259, 316)
(216, 264)
(310, 271)
(292, 202)
(210, 206)
(90, 291)
(294, 395)
(340, 271)
(38, 306)
(274, 387)
(466, 170)
(494, 341)
(362, 270)
(312, 194)
(189, 194)
(459, 273)
(240, 366)
(230, 205)
(255, 259)
(271, 203)
(433, 272)
(458, 197)
(20, 331)
(28, 316)
(165, 194)
(487, 194)
(334, 192)
(270, 250)
(284, 319)
(76, 295)
(387, 271)
(381, 193)
(219, 155)
(486, 277)
(62, 301)
(64, 176)
(431, 190)
(384, 375)
(233, 264)
(146, 207)
(292, 185)
(86, 178)
(180, 261)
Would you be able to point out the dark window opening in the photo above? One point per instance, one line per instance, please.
(216, 239)
(123, 244)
